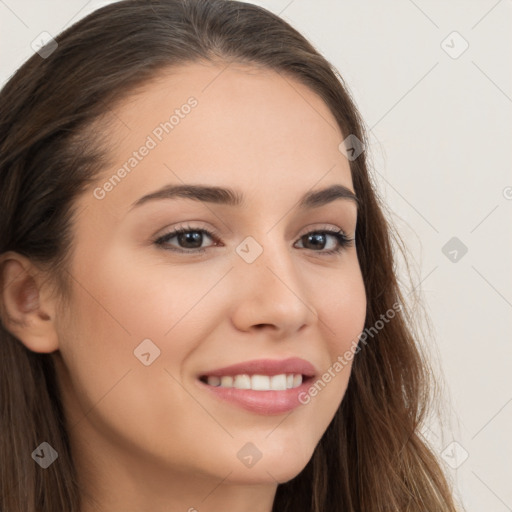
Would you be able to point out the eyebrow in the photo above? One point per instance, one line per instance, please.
(230, 197)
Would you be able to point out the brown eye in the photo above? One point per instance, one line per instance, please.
(314, 240)
(188, 239)
(317, 240)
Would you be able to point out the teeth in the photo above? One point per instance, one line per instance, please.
(278, 382)
(260, 382)
(226, 382)
(214, 381)
(257, 382)
(242, 382)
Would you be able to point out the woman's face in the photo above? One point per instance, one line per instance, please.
(149, 321)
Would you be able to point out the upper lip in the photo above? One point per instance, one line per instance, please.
(269, 367)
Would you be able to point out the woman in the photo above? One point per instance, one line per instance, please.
(199, 305)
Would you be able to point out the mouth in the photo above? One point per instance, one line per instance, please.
(255, 382)
(262, 386)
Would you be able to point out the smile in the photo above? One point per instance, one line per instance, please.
(279, 382)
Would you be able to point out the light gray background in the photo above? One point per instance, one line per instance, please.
(440, 139)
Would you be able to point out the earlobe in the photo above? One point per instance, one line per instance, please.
(25, 313)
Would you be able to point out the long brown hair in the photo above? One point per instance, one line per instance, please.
(372, 457)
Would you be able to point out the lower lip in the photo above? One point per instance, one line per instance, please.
(261, 402)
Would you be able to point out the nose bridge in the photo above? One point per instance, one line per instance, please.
(268, 261)
(272, 290)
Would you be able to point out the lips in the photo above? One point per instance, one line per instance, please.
(270, 367)
(265, 399)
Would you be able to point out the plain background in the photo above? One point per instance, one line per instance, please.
(439, 123)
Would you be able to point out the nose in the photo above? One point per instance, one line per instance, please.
(271, 295)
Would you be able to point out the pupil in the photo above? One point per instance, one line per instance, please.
(194, 238)
(318, 239)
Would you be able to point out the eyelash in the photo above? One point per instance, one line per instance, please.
(343, 240)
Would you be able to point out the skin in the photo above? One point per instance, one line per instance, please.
(148, 437)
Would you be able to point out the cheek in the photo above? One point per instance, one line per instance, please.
(116, 306)
(342, 309)
(119, 304)
(340, 301)
(124, 301)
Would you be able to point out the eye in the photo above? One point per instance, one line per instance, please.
(188, 237)
(319, 238)
(190, 240)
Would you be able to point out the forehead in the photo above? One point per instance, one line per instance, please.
(255, 129)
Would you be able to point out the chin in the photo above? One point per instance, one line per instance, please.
(263, 476)
(275, 469)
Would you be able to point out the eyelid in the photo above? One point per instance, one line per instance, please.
(343, 238)
(187, 227)
(210, 232)
(215, 234)
(322, 227)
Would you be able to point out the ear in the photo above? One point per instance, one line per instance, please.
(27, 311)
